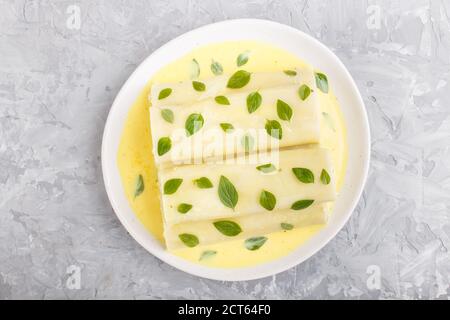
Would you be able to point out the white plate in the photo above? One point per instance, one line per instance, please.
(306, 48)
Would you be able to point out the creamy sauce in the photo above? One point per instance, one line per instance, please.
(135, 156)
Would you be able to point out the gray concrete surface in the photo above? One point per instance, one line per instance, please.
(62, 63)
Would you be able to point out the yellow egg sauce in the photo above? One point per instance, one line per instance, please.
(135, 151)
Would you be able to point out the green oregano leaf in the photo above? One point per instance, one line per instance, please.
(194, 123)
(255, 243)
(254, 101)
(164, 145)
(290, 73)
(228, 228)
(273, 129)
(195, 69)
(227, 193)
(216, 68)
(286, 226)
(184, 207)
(139, 186)
(284, 111)
(242, 58)
(266, 168)
(239, 79)
(203, 183)
(325, 177)
(171, 186)
(164, 93)
(301, 204)
(207, 254)
(198, 86)
(227, 127)
(304, 175)
(167, 115)
(321, 82)
(222, 100)
(303, 92)
(267, 200)
(189, 240)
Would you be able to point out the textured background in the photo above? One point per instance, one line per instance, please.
(59, 75)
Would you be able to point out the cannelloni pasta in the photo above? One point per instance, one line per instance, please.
(247, 225)
(276, 117)
(293, 177)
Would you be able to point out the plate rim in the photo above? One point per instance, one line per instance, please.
(256, 271)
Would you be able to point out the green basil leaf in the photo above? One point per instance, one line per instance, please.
(303, 92)
(301, 204)
(184, 207)
(139, 186)
(255, 243)
(239, 79)
(273, 129)
(222, 100)
(267, 200)
(325, 177)
(195, 69)
(266, 168)
(227, 193)
(207, 254)
(171, 186)
(321, 82)
(167, 115)
(284, 111)
(164, 145)
(198, 86)
(304, 175)
(254, 101)
(189, 240)
(194, 123)
(228, 228)
(227, 127)
(242, 58)
(248, 142)
(286, 226)
(203, 183)
(216, 68)
(164, 93)
(290, 73)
